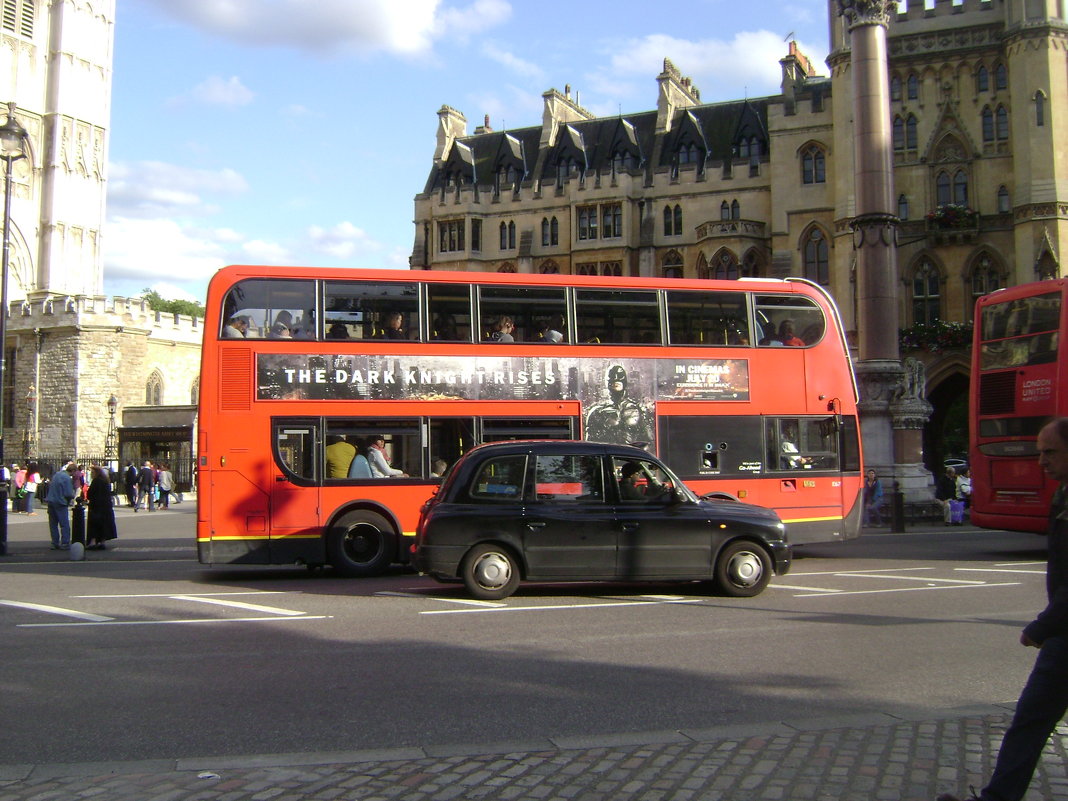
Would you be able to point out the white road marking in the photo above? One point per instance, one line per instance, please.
(828, 590)
(192, 594)
(272, 619)
(907, 589)
(910, 578)
(795, 574)
(466, 601)
(999, 570)
(56, 610)
(601, 605)
(271, 610)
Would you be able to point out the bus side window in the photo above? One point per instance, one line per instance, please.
(449, 309)
(268, 308)
(371, 310)
(785, 320)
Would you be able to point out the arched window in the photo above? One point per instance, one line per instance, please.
(902, 207)
(545, 231)
(613, 268)
(507, 267)
(554, 231)
(154, 389)
(895, 88)
(988, 125)
(672, 265)
(816, 259)
(725, 266)
(813, 165)
(1001, 77)
(751, 265)
(669, 228)
(1004, 206)
(943, 195)
(926, 299)
(910, 132)
(960, 188)
(504, 236)
(982, 79)
(1040, 109)
(899, 133)
(984, 277)
(678, 220)
(724, 210)
(1001, 123)
(912, 87)
(549, 268)
(736, 210)
(673, 220)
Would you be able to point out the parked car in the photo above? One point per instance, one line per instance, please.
(577, 511)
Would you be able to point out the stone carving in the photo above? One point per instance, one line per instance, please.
(913, 382)
(867, 12)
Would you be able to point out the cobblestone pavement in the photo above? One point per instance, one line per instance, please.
(869, 757)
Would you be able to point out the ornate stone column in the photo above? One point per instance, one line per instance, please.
(892, 408)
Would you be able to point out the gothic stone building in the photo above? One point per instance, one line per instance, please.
(68, 348)
(765, 186)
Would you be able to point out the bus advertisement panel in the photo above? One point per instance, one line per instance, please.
(1015, 391)
(331, 401)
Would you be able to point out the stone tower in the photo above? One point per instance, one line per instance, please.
(56, 64)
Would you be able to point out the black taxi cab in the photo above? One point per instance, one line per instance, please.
(555, 510)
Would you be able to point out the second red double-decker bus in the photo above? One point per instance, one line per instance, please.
(331, 400)
(1017, 386)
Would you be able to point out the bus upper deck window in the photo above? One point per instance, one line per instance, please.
(266, 308)
(371, 310)
(617, 317)
(529, 308)
(708, 318)
(789, 320)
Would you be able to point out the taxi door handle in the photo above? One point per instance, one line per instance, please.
(535, 526)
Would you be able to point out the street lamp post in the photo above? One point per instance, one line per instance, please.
(13, 145)
(109, 442)
(30, 445)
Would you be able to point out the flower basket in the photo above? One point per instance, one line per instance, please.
(951, 216)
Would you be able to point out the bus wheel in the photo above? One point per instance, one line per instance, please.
(742, 570)
(360, 543)
(490, 572)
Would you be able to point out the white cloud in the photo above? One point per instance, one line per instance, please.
(259, 251)
(153, 250)
(342, 241)
(361, 26)
(748, 63)
(512, 62)
(218, 91)
(155, 188)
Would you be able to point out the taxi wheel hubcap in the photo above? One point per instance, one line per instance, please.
(493, 570)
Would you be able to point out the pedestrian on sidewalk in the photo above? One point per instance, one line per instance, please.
(873, 500)
(29, 487)
(146, 485)
(946, 493)
(101, 522)
(166, 485)
(1044, 699)
(130, 477)
(59, 498)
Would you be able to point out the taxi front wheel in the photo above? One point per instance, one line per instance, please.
(742, 570)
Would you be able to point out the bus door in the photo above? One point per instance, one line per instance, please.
(295, 480)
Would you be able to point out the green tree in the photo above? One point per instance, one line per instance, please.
(157, 302)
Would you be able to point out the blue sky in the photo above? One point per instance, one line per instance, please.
(299, 131)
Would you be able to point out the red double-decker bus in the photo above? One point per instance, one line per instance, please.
(1015, 390)
(332, 399)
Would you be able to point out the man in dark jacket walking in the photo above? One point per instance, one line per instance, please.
(146, 483)
(1044, 699)
(130, 476)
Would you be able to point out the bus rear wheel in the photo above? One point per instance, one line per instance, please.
(360, 544)
(742, 570)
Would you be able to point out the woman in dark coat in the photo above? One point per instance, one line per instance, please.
(101, 523)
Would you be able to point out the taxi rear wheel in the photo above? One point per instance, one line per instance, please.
(490, 572)
(742, 570)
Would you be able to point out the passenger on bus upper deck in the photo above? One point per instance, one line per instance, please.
(502, 330)
(395, 326)
(554, 329)
(338, 331)
(787, 335)
(236, 328)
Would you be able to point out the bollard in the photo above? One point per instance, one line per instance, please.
(897, 510)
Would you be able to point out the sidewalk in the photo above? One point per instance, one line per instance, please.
(846, 759)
